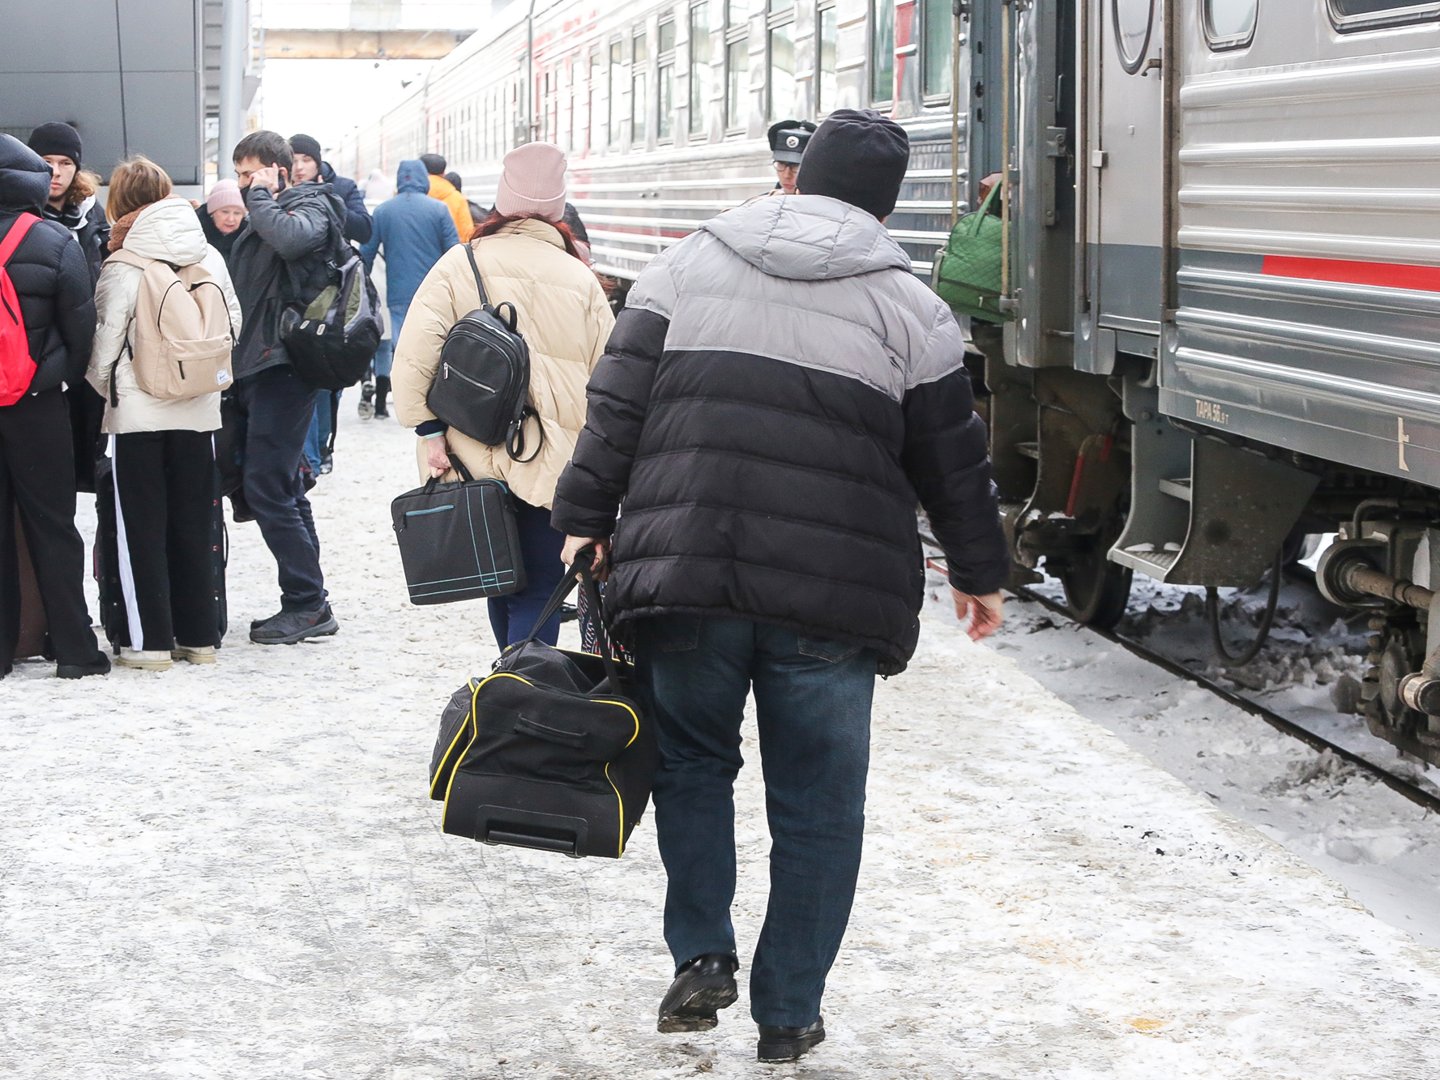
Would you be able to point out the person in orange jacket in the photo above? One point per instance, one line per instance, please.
(442, 189)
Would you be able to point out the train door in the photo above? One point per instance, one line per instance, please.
(1125, 195)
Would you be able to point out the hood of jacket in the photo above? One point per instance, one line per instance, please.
(24, 177)
(412, 176)
(440, 188)
(167, 230)
(808, 238)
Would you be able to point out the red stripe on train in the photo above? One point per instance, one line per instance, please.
(1351, 272)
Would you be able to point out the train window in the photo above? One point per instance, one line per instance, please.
(737, 67)
(597, 101)
(781, 47)
(639, 99)
(882, 51)
(1350, 15)
(1230, 24)
(1134, 20)
(937, 27)
(665, 82)
(702, 56)
(615, 73)
(828, 31)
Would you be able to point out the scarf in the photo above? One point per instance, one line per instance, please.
(119, 230)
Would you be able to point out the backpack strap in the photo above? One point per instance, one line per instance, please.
(479, 285)
(16, 234)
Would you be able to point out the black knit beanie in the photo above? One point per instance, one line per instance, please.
(857, 156)
(59, 139)
(307, 145)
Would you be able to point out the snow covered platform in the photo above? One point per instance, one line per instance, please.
(235, 872)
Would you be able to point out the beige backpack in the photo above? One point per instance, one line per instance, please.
(181, 337)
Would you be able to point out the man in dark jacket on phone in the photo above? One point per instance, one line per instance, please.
(280, 258)
(37, 459)
(777, 396)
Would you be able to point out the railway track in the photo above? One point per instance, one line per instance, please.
(1399, 784)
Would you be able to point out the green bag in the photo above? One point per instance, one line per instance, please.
(968, 272)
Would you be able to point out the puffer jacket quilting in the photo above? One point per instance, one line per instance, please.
(778, 396)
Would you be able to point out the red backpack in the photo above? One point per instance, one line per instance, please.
(17, 367)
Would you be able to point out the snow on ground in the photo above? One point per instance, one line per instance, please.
(1379, 845)
(235, 872)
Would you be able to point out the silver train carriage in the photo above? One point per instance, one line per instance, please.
(1225, 256)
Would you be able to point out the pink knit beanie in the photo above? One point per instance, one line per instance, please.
(533, 182)
(224, 193)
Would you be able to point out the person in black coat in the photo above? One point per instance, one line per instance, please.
(37, 460)
(73, 202)
(309, 168)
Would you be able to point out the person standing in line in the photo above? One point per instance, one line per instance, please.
(221, 215)
(526, 256)
(442, 189)
(765, 473)
(74, 203)
(286, 242)
(37, 456)
(161, 450)
(412, 231)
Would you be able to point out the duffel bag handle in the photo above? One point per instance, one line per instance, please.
(579, 573)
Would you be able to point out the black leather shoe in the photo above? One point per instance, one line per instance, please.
(99, 664)
(701, 988)
(788, 1043)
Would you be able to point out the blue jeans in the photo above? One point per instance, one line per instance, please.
(278, 407)
(812, 703)
(385, 355)
(319, 434)
(511, 617)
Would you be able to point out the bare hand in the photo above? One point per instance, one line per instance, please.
(985, 612)
(600, 566)
(268, 178)
(437, 455)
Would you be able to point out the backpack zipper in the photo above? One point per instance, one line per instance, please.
(466, 378)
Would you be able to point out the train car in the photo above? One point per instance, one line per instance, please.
(1224, 280)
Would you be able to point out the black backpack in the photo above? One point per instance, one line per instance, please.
(481, 387)
(334, 336)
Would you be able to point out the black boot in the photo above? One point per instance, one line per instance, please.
(701, 987)
(382, 391)
(788, 1043)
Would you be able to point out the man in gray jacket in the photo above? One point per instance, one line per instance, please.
(279, 257)
(777, 396)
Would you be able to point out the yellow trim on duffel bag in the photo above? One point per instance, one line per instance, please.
(619, 800)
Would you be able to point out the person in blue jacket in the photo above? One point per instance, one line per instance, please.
(412, 231)
(310, 167)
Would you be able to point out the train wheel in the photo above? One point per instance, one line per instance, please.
(1096, 590)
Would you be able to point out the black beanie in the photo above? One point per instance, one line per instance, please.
(434, 164)
(307, 145)
(60, 139)
(859, 157)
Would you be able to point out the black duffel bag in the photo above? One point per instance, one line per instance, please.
(458, 541)
(481, 386)
(550, 751)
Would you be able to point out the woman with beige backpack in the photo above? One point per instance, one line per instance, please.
(168, 318)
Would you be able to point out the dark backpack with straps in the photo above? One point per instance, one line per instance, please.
(332, 338)
(482, 386)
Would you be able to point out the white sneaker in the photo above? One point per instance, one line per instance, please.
(195, 654)
(145, 659)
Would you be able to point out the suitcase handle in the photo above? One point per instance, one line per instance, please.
(528, 840)
(579, 572)
(537, 730)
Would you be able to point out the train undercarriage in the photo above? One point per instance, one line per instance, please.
(1096, 484)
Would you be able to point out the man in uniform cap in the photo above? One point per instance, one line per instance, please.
(787, 146)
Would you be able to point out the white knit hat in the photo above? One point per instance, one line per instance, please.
(533, 182)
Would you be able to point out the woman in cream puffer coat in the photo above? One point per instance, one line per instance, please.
(525, 256)
(161, 450)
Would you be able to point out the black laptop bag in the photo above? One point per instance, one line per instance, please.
(550, 751)
(458, 541)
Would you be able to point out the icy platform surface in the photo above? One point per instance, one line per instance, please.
(235, 872)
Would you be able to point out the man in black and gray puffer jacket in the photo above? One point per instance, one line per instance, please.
(778, 395)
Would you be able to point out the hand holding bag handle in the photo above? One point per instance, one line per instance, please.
(456, 465)
(579, 572)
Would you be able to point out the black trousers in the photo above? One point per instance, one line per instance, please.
(165, 487)
(37, 474)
